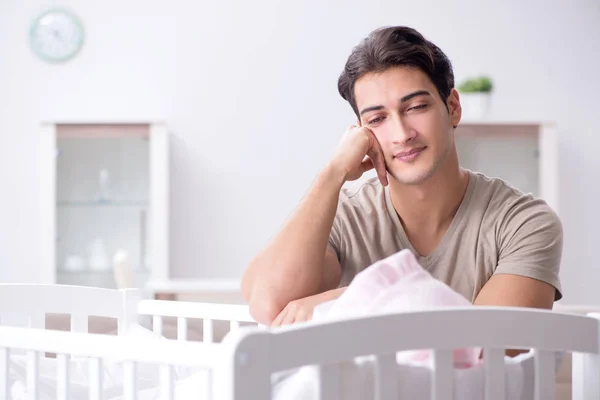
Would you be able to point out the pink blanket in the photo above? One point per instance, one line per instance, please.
(397, 284)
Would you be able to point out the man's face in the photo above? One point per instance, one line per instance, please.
(403, 108)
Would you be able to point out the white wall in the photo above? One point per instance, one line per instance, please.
(249, 90)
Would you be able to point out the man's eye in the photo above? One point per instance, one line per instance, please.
(419, 107)
(375, 120)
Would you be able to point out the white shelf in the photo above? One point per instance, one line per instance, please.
(504, 123)
(102, 204)
(576, 308)
(177, 286)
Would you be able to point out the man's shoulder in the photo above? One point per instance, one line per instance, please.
(367, 195)
(506, 204)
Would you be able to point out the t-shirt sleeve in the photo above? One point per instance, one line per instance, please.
(531, 242)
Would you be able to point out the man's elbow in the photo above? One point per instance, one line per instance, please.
(258, 293)
(264, 310)
(246, 288)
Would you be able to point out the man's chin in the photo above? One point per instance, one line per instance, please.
(415, 176)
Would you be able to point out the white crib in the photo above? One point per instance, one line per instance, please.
(240, 368)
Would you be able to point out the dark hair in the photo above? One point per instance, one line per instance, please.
(396, 46)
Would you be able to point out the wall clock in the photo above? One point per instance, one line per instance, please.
(56, 35)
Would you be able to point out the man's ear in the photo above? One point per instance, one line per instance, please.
(454, 107)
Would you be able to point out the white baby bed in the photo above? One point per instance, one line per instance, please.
(241, 366)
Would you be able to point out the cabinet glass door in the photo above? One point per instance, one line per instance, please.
(102, 206)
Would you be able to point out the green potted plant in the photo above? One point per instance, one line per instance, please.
(475, 94)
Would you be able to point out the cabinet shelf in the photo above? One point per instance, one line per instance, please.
(102, 204)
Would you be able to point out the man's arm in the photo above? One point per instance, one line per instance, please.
(516, 291)
(293, 266)
(296, 264)
(529, 261)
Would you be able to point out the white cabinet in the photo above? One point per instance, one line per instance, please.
(104, 201)
(523, 154)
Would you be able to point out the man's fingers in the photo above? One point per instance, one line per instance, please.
(279, 319)
(307, 315)
(367, 165)
(375, 153)
(289, 319)
(379, 163)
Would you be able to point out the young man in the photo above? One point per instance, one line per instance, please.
(482, 237)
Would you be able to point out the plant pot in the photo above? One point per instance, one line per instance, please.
(475, 106)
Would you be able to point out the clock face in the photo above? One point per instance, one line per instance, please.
(56, 35)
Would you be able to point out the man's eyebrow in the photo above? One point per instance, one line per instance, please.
(414, 94)
(402, 100)
(374, 108)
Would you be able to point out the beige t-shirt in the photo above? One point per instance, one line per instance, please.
(496, 230)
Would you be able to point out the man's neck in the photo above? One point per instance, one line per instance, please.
(430, 206)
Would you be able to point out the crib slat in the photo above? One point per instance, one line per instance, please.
(96, 383)
(32, 374)
(182, 328)
(386, 387)
(442, 383)
(585, 372)
(545, 379)
(207, 329)
(578, 376)
(234, 325)
(62, 376)
(157, 324)
(130, 380)
(494, 374)
(4, 355)
(79, 323)
(329, 379)
(209, 388)
(166, 387)
(37, 320)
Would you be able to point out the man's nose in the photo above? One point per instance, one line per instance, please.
(402, 132)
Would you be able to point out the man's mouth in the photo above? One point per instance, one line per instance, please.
(410, 155)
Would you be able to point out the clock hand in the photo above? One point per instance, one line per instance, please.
(57, 35)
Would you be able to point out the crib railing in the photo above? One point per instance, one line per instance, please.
(259, 353)
(98, 348)
(158, 309)
(28, 305)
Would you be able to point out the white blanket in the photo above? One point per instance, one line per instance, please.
(414, 382)
(356, 381)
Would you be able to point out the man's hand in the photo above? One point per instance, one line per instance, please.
(358, 152)
(302, 309)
